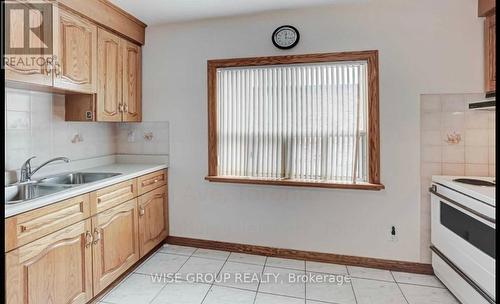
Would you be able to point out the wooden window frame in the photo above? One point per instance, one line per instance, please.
(370, 56)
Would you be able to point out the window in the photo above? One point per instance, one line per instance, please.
(304, 120)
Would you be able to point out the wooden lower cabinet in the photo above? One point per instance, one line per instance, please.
(153, 217)
(115, 243)
(55, 269)
(69, 252)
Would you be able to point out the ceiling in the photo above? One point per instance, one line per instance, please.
(166, 11)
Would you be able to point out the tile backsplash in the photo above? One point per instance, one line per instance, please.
(148, 138)
(34, 125)
(453, 141)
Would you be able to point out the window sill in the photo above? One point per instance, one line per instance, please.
(295, 183)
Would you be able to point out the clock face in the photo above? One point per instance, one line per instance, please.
(285, 37)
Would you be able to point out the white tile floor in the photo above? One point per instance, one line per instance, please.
(370, 286)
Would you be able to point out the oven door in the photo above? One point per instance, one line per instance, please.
(464, 237)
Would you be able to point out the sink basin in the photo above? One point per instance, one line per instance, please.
(24, 192)
(76, 178)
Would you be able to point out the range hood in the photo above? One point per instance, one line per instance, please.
(487, 104)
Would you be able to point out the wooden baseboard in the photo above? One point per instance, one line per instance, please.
(403, 266)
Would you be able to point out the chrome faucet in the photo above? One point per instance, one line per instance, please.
(27, 173)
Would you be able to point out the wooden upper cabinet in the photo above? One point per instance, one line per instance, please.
(109, 76)
(75, 51)
(153, 219)
(115, 243)
(132, 86)
(485, 7)
(55, 269)
(119, 79)
(490, 53)
(17, 68)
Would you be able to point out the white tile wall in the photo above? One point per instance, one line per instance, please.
(474, 155)
(34, 125)
(132, 138)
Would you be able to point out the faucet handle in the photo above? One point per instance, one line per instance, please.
(26, 170)
(27, 163)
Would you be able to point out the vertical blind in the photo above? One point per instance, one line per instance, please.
(298, 121)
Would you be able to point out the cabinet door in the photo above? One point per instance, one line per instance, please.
(153, 219)
(490, 53)
(115, 245)
(22, 67)
(55, 269)
(131, 82)
(75, 48)
(109, 76)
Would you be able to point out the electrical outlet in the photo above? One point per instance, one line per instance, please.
(393, 236)
(88, 115)
(131, 136)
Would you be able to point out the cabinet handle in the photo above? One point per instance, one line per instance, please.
(88, 239)
(150, 182)
(120, 107)
(125, 108)
(141, 210)
(97, 235)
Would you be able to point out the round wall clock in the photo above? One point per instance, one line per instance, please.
(285, 37)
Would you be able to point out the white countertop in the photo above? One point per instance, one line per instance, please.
(127, 171)
(482, 193)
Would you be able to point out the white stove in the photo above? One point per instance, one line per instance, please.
(463, 230)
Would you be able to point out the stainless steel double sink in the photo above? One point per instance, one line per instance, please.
(22, 192)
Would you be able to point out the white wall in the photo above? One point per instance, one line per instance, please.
(425, 46)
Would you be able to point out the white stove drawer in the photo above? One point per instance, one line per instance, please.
(466, 239)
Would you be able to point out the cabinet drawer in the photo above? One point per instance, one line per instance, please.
(111, 196)
(152, 181)
(26, 227)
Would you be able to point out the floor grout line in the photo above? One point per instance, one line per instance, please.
(159, 251)
(218, 273)
(399, 287)
(353, 291)
(260, 280)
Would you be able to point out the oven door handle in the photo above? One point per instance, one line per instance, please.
(433, 190)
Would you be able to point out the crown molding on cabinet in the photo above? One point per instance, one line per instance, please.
(109, 16)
